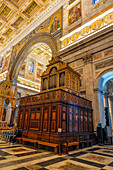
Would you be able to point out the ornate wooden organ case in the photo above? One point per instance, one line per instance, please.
(57, 106)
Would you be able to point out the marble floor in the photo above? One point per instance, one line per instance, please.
(18, 157)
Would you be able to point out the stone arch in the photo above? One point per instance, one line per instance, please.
(27, 48)
(100, 76)
(102, 97)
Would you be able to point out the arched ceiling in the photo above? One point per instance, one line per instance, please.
(16, 15)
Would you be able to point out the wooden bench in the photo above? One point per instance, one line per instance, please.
(31, 137)
(24, 135)
(19, 139)
(48, 144)
(29, 140)
(71, 144)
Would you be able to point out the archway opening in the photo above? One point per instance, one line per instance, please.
(29, 75)
(20, 56)
(30, 70)
(105, 99)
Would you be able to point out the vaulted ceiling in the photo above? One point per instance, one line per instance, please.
(16, 15)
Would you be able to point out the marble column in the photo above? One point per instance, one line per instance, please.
(111, 109)
(106, 104)
(88, 79)
(99, 107)
(99, 104)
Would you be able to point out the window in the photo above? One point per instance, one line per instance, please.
(31, 66)
(95, 1)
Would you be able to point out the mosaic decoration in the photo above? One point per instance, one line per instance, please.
(66, 42)
(18, 22)
(74, 13)
(51, 25)
(96, 25)
(108, 19)
(74, 37)
(85, 31)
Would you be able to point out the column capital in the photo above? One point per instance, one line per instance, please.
(88, 58)
(98, 90)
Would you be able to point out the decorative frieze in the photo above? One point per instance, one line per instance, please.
(104, 64)
(88, 29)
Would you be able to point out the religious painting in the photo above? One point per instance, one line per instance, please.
(39, 72)
(108, 19)
(85, 31)
(65, 42)
(74, 14)
(74, 37)
(96, 25)
(71, 1)
(55, 25)
(51, 25)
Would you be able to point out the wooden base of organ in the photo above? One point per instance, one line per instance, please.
(41, 115)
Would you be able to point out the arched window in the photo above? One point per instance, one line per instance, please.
(31, 66)
(53, 70)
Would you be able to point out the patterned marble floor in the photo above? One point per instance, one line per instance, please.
(18, 157)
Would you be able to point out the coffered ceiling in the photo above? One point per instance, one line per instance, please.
(16, 15)
(41, 53)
